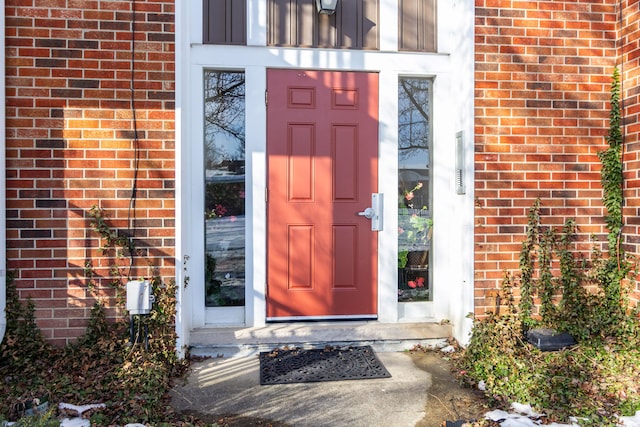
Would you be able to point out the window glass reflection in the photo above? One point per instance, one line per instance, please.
(414, 190)
(224, 216)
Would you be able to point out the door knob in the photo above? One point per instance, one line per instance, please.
(374, 213)
(367, 213)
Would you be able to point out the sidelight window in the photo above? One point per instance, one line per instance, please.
(414, 189)
(224, 165)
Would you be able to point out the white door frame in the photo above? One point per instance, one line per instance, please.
(452, 70)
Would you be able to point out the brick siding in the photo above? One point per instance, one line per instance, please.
(70, 145)
(543, 77)
(543, 74)
(630, 45)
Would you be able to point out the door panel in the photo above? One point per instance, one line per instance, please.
(322, 151)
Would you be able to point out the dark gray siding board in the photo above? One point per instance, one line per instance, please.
(417, 25)
(225, 22)
(296, 23)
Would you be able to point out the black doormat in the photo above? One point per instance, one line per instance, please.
(290, 366)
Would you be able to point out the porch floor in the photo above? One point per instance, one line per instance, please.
(383, 337)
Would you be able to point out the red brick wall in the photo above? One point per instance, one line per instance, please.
(70, 146)
(543, 75)
(543, 72)
(630, 69)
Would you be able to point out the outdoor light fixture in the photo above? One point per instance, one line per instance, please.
(328, 7)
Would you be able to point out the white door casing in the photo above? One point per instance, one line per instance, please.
(452, 71)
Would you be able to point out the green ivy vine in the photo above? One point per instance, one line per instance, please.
(611, 175)
(616, 268)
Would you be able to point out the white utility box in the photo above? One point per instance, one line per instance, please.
(139, 297)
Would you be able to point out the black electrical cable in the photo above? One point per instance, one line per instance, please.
(131, 213)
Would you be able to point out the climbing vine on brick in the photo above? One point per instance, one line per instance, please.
(611, 175)
(616, 267)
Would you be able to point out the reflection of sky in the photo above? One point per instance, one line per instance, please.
(225, 147)
(419, 159)
(224, 116)
(413, 124)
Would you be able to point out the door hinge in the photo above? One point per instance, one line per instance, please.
(266, 98)
(266, 195)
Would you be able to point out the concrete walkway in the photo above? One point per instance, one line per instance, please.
(231, 386)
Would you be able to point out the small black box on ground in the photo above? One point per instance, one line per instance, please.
(457, 423)
(549, 339)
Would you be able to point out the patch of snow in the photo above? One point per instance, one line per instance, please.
(632, 421)
(509, 419)
(519, 422)
(524, 416)
(499, 415)
(521, 415)
(75, 422)
(448, 349)
(525, 410)
(563, 425)
(82, 408)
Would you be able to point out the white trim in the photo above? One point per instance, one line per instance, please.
(461, 299)
(185, 10)
(388, 24)
(416, 311)
(444, 214)
(194, 15)
(447, 36)
(387, 184)
(193, 200)
(229, 56)
(225, 316)
(255, 188)
(257, 27)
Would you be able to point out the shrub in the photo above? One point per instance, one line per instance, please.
(587, 297)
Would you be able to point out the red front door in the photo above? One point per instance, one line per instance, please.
(322, 160)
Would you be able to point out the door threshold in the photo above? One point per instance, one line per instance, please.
(241, 341)
(322, 318)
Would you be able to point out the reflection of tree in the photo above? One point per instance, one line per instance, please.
(413, 117)
(224, 116)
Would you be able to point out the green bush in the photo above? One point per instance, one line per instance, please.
(102, 366)
(585, 295)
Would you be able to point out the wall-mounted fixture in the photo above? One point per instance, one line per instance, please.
(139, 297)
(460, 187)
(139, 302)
(328, 7)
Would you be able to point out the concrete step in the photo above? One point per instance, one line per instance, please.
(244, 341)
